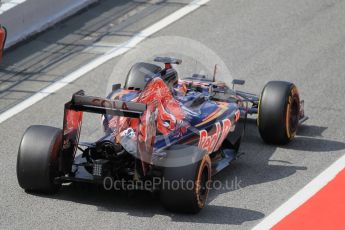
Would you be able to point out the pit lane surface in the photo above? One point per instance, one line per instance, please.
(298, 41)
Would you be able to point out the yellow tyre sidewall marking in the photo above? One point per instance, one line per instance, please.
(258, 118)
(287, 118)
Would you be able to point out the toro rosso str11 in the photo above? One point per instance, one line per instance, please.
(157, 126)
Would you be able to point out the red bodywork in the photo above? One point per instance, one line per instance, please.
(3, 34)
(71, 133)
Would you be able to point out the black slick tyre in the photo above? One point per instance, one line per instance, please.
(278, 112)
(37, 161)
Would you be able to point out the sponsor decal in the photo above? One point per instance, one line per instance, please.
(211, 143)
(208, 142)
(109, 104)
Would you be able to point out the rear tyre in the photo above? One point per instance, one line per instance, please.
(37, 162)
(185, 189)
(278, 112)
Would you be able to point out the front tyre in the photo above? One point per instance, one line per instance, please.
(278, 112)
(37, 162)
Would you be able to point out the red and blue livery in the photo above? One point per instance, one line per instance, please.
(158, 128)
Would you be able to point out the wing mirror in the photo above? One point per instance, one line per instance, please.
(237, 82)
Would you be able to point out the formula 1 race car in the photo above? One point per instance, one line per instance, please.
(3, 35)
(160, 129)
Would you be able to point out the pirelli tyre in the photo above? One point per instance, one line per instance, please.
(278, 112)
(185, 188)
(37, 162)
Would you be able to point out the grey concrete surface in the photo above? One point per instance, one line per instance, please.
(299, 41)
(74, 42)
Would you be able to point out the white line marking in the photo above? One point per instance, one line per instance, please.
(303, 195)
(121, 49)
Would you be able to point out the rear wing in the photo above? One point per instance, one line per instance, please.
(83, 103)
(80, 103)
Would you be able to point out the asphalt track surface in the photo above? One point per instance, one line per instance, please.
(298, 41)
